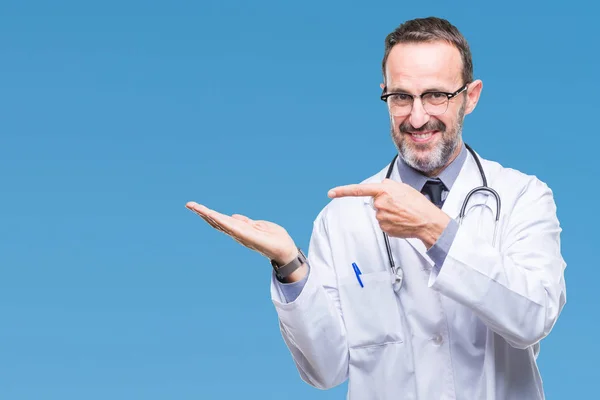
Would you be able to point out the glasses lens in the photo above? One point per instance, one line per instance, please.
(435, 103)
(400, 104)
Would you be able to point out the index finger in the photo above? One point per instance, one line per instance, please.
(360, 189)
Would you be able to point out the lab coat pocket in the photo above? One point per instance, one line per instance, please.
(371, 312)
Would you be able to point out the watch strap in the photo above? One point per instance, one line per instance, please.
(283, 271)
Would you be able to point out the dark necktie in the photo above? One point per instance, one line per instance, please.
(434, 188)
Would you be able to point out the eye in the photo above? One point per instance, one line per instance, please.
(400, 98)
(435, 98)
(437, 95)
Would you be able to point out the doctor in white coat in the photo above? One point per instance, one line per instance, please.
(463, 310)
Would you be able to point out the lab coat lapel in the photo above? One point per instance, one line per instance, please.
(481, 207)
(468, 178)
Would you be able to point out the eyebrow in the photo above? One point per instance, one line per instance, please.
(433, 89)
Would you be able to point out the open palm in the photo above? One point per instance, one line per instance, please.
(267, 238)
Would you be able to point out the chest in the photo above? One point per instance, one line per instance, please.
(375, 311)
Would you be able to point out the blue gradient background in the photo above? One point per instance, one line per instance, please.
(114, 114)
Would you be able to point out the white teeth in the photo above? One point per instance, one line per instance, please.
(422, 135)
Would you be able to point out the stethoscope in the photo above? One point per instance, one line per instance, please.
(398, 273)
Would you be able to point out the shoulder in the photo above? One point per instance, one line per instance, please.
(503, 175)
(515, 187)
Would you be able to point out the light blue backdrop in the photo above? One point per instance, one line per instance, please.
(113, 115)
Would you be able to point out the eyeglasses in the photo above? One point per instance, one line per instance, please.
(434, 103)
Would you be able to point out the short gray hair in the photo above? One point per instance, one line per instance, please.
(429, 30)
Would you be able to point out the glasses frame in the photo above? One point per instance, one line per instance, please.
(450, 96)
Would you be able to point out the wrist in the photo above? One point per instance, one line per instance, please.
(297, 275)
(434, 228)
(293, 270)
(286, 256)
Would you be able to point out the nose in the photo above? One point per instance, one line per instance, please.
(418, 115)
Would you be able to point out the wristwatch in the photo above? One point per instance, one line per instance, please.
(283, 271)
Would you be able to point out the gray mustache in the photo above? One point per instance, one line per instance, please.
(436, 125)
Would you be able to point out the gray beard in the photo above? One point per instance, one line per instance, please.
(439, 156)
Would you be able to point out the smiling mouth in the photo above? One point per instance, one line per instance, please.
(422, 136)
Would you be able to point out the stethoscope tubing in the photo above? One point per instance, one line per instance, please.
(485, 188)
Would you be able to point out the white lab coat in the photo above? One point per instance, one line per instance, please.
(469, 330)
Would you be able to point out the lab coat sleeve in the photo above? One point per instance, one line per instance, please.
(291, 291)
(311, 325)
(519, 290)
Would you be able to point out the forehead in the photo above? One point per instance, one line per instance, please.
(419, 66)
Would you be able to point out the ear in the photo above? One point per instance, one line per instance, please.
(473, 93)
(382, 86)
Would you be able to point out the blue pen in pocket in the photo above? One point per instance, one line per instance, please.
(358, 273)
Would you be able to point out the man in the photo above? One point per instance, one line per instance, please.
(457, 308)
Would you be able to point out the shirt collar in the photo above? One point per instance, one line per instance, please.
(416, 179)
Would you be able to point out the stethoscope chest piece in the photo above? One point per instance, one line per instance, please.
(397, 279)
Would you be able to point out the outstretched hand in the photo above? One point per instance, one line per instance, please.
(264, 237)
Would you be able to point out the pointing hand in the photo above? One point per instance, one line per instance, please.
(402, 211)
